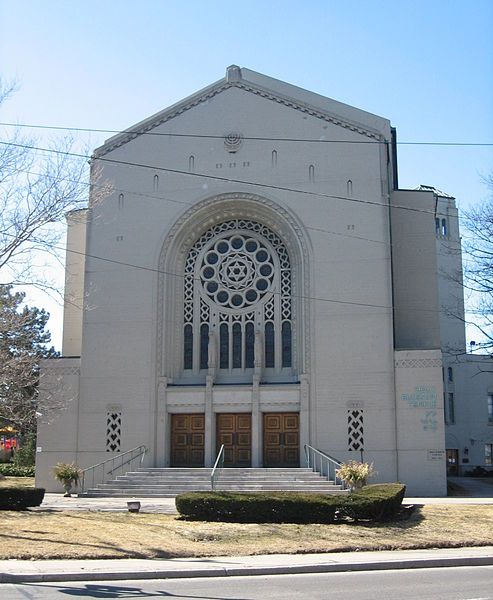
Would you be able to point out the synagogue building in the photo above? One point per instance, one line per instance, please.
(256, 278)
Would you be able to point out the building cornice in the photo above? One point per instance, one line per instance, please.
(219, 87)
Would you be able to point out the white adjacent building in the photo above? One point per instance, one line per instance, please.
(256, 278)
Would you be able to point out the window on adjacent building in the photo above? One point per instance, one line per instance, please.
(488, 454)
(490, 408)
(451, 408)
(444, 228)
(450, 374)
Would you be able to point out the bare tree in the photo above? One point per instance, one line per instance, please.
(478, 262)
(37, 189)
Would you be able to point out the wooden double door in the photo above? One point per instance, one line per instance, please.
(281, 440)
(281, 446)
(234, 430)
(187, 440)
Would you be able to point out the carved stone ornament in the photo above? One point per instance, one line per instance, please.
(233, 142)
(193, 223)
(418, 363)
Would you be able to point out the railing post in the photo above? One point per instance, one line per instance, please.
(322, 463)
(111, 462)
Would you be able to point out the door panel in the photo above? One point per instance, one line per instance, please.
(235, 432)
(281, 440)
(452, 462)
(187, 440)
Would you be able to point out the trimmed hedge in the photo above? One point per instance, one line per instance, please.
(12, 470)
(374, 502)
(378, 502)
(16, 498)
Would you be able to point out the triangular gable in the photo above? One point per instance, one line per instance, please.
(256, 83)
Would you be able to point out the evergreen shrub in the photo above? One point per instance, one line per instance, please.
(12, 470)
(25, 456)
(374, 502)
(17, 498)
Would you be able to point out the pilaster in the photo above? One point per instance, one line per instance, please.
(256, 423)
(209, 446)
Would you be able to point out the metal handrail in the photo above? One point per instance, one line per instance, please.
(138, 452)
(219, 464)
(327, 465)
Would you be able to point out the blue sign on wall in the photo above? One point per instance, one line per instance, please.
(421, 397)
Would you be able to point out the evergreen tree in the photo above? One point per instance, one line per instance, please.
(23, 343)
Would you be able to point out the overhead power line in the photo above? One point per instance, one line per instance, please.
(218, 178)
(166, 199)
(253, 138)
(182, 276)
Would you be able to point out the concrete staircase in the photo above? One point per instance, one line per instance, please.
(169, 482)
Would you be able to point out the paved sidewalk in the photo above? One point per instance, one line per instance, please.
(477, 487)
(167, 505)
(149, 505)
(224, 566)
(449, 500)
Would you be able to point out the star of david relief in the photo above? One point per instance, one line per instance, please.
(237, 272)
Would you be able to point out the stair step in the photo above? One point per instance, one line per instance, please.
(168, 482)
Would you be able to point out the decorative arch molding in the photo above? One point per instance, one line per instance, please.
(184, 233)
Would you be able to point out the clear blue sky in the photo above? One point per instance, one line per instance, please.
(425, 65)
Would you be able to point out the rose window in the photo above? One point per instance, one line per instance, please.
(237, 293)
(237, 271)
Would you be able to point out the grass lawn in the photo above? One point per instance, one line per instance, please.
(17, 482)
(43, 535)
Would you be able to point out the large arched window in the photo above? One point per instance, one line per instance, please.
(237, 310)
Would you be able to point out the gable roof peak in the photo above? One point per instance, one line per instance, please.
(233, 73)
(267, 87)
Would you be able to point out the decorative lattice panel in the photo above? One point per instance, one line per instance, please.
(113, 431)
(355, 429)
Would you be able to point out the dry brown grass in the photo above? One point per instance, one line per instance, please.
(17, 482)
(49, 534)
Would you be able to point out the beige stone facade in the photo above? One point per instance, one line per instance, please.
(256, 279)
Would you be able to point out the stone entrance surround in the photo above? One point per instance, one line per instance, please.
(212, 400)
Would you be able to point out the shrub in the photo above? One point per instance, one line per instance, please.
(375, 503)
(355, 474)
(67, 473)
(261, 507)
(16, 498)
(25, 456)
(479, 472)
(12, 470)
(378, 502)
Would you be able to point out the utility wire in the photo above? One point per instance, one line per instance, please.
(156, 168)
(166, 199)
(217, 178)
(198, 279)
(254, 138)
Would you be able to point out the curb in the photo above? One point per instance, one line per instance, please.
(425, 563)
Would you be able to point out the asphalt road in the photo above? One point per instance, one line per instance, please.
(460, 583)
